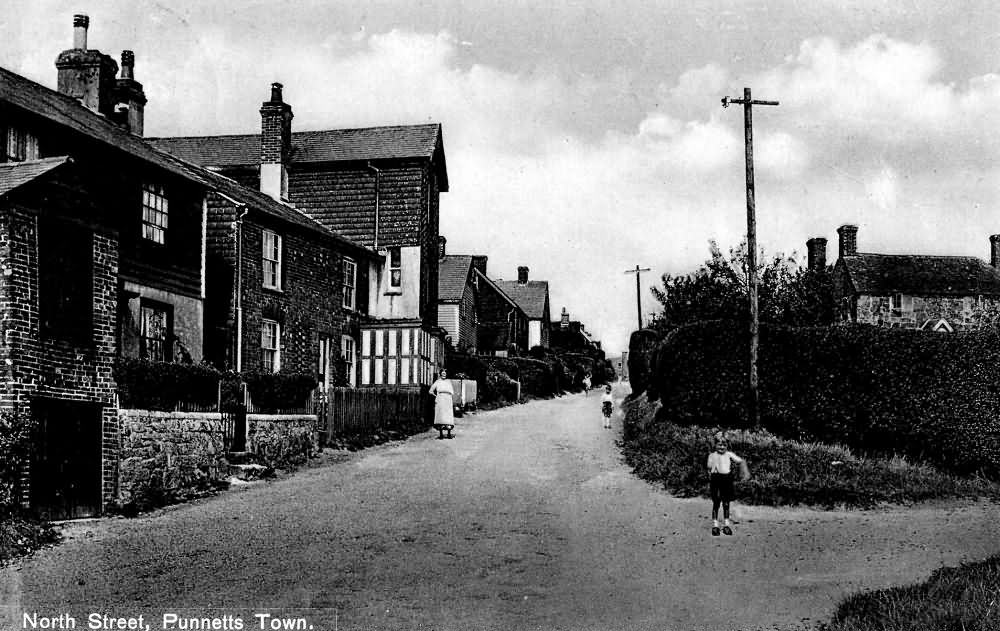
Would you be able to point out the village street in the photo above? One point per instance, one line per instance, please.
(527, 520)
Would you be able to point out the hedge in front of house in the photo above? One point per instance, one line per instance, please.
(929, 396)
(152, 385)
(279, 391)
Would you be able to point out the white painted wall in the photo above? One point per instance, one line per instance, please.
(402, 302)
(534, 333)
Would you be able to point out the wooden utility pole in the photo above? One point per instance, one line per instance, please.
(638, 290)
(748, 104)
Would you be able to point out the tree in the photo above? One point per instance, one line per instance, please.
(719, 289)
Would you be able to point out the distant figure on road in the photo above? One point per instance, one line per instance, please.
(720, 471)
(586, 384)
(607, 406)
(444, 405)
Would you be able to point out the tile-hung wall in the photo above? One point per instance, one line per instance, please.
(398, 356)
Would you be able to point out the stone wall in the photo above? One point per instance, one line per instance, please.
(962, 313)
(168, 456)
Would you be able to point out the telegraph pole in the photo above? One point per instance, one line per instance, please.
(748, 104)
(638, 290)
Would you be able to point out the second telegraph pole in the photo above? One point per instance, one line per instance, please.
(748, 104)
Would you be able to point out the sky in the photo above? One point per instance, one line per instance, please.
(584, 138)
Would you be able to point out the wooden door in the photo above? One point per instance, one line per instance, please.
(66, 469)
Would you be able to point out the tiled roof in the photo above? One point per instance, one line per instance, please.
(14, 174)
(332, 145)
(69, 113)
(883, 274)
(453, 274)
(530, 296)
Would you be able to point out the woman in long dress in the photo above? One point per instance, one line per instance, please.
(444, 402)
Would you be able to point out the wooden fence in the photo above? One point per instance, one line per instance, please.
(357, 410)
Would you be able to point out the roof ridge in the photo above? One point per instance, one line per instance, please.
(294, 133)
(933, 256)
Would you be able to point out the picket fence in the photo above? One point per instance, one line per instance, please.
(358, 410)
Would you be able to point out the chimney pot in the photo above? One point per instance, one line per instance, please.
(522, 275)
(995, 250)
(80, 24)
(276, 92)
(817, 253)
(128, 65)
(848, 240)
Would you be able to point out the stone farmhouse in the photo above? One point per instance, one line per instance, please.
(914, 291)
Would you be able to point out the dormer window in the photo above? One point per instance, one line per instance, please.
(19, 145)
(155, 209)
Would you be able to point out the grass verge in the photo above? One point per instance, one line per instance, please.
(963, 598)
(784, 472)
(21, 535)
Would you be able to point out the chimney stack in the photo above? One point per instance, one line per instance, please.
(995, 250)
(441, 246)
(817, 253)
(479, 262)
(848, 240)
(275, 144)
(522, 275)
(130, 98)
(81, 23)
(87, 74)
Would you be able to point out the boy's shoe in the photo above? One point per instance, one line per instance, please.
(715, 531)
(727, 530)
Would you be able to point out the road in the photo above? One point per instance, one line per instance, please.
(526, 520)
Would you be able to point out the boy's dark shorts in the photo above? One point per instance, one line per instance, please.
(721, 487)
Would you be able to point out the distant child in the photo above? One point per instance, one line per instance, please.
(720, 470)
(607, 406)
(586, 384)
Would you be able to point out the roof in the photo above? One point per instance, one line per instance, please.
(331, 145)
(15, 174)
(68, 112)
(453, 275)
(492, 283)
(917, 274)
(531, 296)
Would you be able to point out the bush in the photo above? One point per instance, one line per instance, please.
(16, 434)
(641, 348)
(279, 391)
(928, 396)
(784, 472)
(150, 385)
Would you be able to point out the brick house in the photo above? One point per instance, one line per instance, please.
(458, 295)
(378, 187)
(914, 291)
(502, 323)
(572, 335)
(533, 298)
(102, 256)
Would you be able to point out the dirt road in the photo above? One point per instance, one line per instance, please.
(527, 520)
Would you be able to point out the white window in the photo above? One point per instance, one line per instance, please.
(272, 260)
(350, 270)
(395, 268)
(270, 345)
(348, 350)
(20, 146)
(155, 211)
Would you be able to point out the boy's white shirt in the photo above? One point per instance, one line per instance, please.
(608, 396)
(722, 463)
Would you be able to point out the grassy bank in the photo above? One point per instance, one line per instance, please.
(784, 472)
(963, 598)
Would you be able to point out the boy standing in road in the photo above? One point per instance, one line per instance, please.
(720, 470)
(607, 406)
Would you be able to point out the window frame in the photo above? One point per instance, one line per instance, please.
(274, 365)
(395, 268)
(349, 356)
(166, 350)
(277, 251)
(349, 290)
(153, 213)
(24, 142)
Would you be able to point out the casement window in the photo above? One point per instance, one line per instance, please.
(18, 145)
(395, 268)
(350, 273)
(155, 331)
(270, 345)
(348, 350)
(901, 303)
(155, 211)
(272, 260)
(65, 282)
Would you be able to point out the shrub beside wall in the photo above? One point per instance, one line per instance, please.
(929, 396)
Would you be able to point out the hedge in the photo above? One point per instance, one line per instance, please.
(151, 385)
(16, 433)
(928, 396)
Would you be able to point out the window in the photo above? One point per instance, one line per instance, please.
(395, 268)
(897, 302)
(348, 353)
(270, 345)
(350, 270)
(154, 332)
(272, 260)
(19, 146)
(154, 213)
